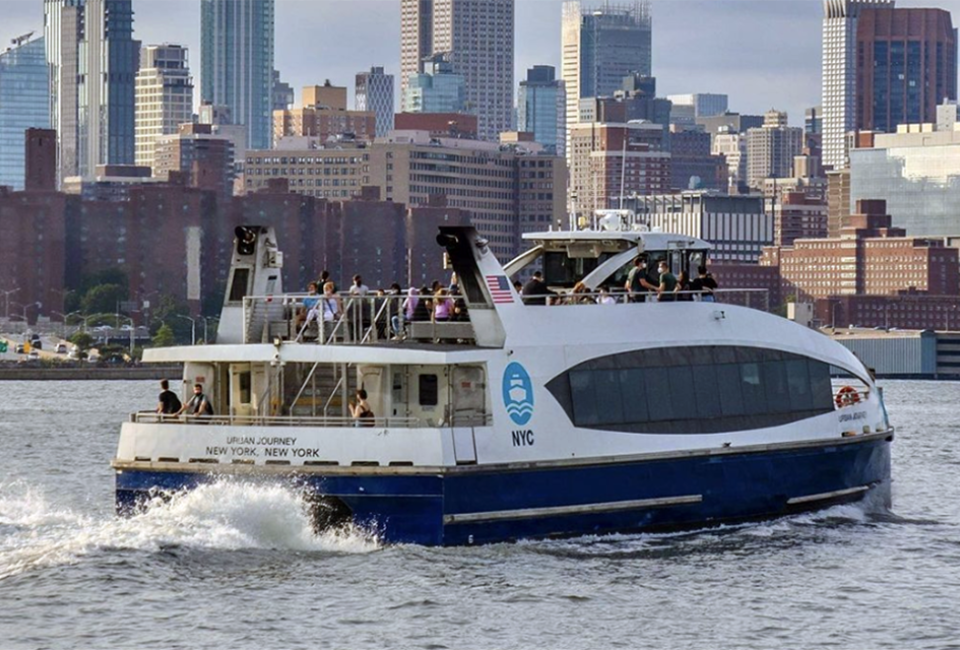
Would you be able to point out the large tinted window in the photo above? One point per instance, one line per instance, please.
(703, 389)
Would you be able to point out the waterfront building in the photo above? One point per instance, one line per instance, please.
(541, 108)
(870, 257)
(24, 104)
(164, 96)
(237, 53)
(796, 215)
(40, 161)
(771, 149)
(600, 46)
(738, 227)
(374, 92)
(478, 38)
(447, 125)
(882, 66)
(436, 89)
(917, 172)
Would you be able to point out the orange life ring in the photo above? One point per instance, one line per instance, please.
(846, 396)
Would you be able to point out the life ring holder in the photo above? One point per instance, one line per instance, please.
(847, 396)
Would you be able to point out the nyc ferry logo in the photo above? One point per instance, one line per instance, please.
(518, 393)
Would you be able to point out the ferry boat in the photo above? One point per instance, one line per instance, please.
(520, 420)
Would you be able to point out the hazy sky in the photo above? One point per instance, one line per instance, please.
(763, 53)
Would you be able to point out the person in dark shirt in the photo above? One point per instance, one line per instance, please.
(169, 402)
(704, 283)
(668, 283)
(535, 292)
(198, 404)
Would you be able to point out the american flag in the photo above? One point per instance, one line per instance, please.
(499, 288)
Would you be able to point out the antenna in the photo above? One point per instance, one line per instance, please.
(20, 40)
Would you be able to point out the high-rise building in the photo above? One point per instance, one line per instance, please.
(478, 38)
(24, 104)
(602, 46)
(93, 62)
(236, 50)
(772, 148)
(913, 67)
(438, 89)
(541, 108)
(164, 97)
(882, 66)
(703, 104)
(204, 159)
(374, 92)
(40, 173)
(283, 95)
(62, 24)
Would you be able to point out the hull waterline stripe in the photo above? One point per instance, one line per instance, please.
(823, 496)
(588, 509)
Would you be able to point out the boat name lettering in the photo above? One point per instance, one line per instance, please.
(252, 440)
(522, 438)
(853, 417)
(244, 451)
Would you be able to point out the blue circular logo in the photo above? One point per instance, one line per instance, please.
(518, 393)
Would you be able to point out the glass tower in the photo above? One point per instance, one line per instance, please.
(236, 51)
(24, 104)
(541, 107)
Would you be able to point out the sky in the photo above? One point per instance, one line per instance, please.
(763, 53)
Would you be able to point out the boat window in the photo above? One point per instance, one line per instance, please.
(239, 287)
(429, 390)
(560, 270)
(698, 389)
(243, 382)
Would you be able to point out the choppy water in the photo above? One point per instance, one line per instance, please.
(236, 566)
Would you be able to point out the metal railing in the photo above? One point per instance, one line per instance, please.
(151, 417)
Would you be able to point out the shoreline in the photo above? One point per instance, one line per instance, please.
(152, 372)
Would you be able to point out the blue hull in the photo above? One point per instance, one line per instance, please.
(476, 504)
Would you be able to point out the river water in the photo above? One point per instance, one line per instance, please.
(236, 566)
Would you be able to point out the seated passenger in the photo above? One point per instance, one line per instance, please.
(605, 297)
(360, 409)
(581, 295)
(421, 311)
(309, 304)
(331, 308)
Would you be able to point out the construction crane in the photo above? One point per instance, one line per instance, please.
(20, 40)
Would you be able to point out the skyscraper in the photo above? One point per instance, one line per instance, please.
(601, 47)
(164, 97)
(478, 38)
(108, 63)
(771, 149)
(24, 104)
(912, 69)
(374, 92)
(93, 60)
(236, 51)
(541, 108)
(840, 18)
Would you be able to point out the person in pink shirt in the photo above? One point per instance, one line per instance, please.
(442, 306)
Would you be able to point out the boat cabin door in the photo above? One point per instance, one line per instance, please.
(467, 410)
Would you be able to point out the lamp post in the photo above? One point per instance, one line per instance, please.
(133, 329)
(65, 317)
(193, 328)
(206, 320)
(28, 306)
(6, 300)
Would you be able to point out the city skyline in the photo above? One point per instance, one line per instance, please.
(684, 61)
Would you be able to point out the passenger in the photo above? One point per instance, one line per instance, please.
(421, 311)
(668, 283)
(442, 306)
(324, 278)
(518, 287)
(581, 295)
(198, 405)
(459, 306)
(358, 288)
(360, 409)
(331, 309)
(683, 285)
(535, 292)
(637, 284)
(308, 311)
(169, 403)
(704, 283)
(605, 297)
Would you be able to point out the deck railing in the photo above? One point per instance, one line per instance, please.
(151, 417)
(374, 319)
